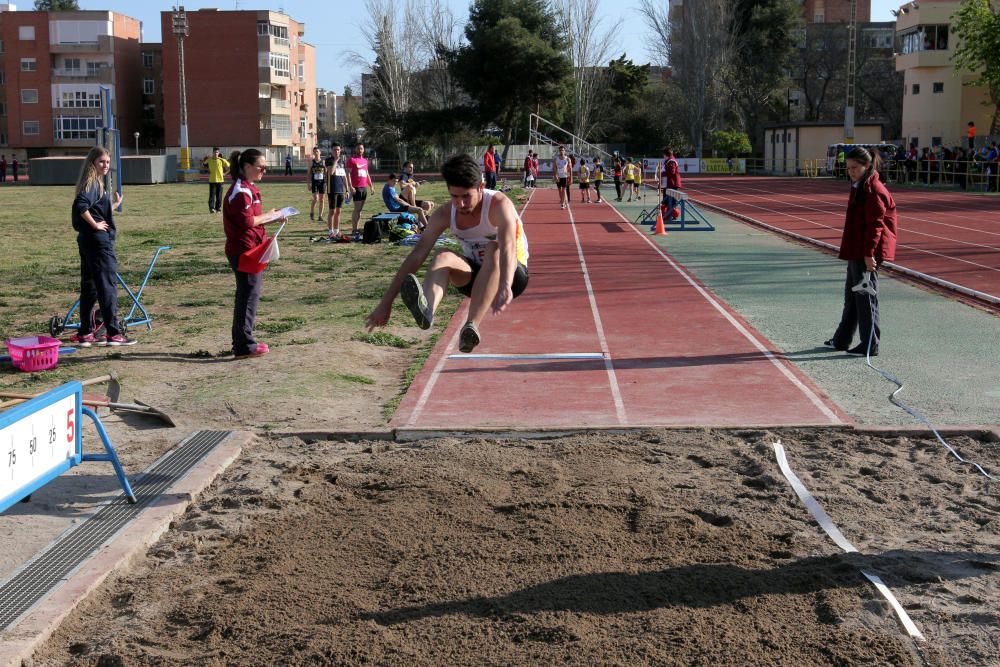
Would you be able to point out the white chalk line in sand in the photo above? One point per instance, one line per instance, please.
(809, 393)
(830, 528)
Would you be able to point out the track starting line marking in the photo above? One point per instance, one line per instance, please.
(830, 528)
(522, 357)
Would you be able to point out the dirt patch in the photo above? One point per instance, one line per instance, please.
(663, 547)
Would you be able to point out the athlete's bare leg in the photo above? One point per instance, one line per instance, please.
(356, 214)
(446, 267)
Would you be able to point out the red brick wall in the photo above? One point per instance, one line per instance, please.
(40, 79)
(220, 58)
(837, 11)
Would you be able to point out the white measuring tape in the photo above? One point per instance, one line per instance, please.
(830, 528)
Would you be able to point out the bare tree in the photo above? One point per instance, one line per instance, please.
(590, 49)
(695, 40)
(389, 79)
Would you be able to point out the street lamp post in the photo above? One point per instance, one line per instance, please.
(136, 135)
(181, 30)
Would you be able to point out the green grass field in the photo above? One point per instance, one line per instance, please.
(316, 296)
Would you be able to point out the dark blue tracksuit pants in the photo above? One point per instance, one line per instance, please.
(245, 309)
(860, 310)
(98, 283)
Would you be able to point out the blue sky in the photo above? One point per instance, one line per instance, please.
(332, 30)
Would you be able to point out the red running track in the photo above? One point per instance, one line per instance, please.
(661, 350)
(949, 236)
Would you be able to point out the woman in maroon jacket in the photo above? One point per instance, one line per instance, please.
(243, 219)
(869, 240)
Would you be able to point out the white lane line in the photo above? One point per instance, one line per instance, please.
(522, 357)
(425, 395)
(741, 198)
(809, 393)
(432, 380)
(830, 528)
(616, 393)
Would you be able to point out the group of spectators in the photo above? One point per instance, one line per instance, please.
(957, 165)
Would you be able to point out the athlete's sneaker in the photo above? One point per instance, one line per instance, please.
(468, 339)
(118, 340)
(412, 293)
(86, 340)
(259, 351)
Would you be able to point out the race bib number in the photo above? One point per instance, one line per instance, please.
(362, 173)
(339, 171)
(318, 176)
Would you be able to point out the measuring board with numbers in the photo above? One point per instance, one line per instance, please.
(42, 438)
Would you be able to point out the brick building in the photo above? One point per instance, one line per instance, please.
(52, 65)
(835, 11)
(151, 127)
(251, 82)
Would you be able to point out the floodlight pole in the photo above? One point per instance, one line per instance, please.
(181, 30)
(852, 57)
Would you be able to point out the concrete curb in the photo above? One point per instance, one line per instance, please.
(17, 645)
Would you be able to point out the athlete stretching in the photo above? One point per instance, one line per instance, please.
(493, 266)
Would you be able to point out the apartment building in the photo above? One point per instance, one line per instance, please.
(250, 79)
(326, 110)
(937, 102)
(151, 127)
(52, 67)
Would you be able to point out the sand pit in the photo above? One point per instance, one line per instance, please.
(665, 547)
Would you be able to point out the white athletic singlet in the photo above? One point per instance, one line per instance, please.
(474, 241)
(562, 167)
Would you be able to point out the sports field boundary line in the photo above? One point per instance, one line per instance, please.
(609, 364)
(982, 298)
(403, 435)
(780, 364)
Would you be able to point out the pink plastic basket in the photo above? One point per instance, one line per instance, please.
(35, 353)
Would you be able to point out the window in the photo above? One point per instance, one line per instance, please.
(279, 33)
(3, 78)
(29, 96)
(29, 65)
(916, 89)
(302, 71)
(148, 87)
(147, 59)
(1, 46)
(282, 126)
(3, 138)
(278, 64)
(79, 32)
(80, 97)
(939, 86)
(75, 127)
(935, 141)
(71, 65)
(924, 38)
(30, 128)
(26, 32)
(3, 109)
(819, 17)
(94, 67)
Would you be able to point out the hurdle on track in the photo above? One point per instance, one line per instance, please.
(690, 220)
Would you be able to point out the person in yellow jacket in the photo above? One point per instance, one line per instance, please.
(217, 168)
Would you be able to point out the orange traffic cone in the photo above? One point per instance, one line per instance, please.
(660, 231)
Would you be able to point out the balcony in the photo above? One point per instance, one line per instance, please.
(104, 44)
(103, 75)
(274, 138)
(929, 58)
(273, 105)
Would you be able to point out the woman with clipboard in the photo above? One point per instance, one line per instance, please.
(246, 241)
